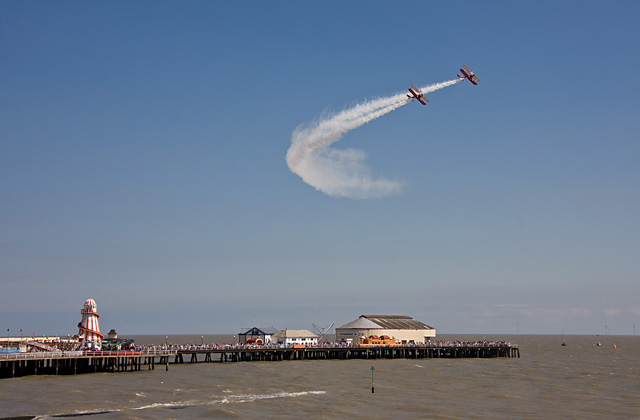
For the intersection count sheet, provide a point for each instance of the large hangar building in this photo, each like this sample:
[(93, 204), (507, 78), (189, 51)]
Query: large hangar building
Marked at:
[(404, 328)]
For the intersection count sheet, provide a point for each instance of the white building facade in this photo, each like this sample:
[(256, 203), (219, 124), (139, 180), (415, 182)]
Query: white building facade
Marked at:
[(292, 337)]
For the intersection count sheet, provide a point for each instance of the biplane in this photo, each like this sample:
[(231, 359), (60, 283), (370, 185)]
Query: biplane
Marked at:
[(469, 75), (417, 94)]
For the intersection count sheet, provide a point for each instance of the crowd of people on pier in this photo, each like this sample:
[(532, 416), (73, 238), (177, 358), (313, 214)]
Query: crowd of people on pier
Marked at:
[(466, 343), (240, 346), (70, 349)]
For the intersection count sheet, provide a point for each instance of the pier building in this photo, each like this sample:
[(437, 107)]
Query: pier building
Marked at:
[(256, 333), (405, 329), (303, 337)]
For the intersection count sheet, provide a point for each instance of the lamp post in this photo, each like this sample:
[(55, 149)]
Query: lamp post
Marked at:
[(166, 355)]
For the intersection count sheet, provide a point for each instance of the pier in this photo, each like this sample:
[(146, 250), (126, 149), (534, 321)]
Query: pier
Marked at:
[(268, 354), (78, 362)]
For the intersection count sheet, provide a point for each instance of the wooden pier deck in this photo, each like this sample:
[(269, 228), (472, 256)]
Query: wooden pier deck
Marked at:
[(345, 353), (77, 362)]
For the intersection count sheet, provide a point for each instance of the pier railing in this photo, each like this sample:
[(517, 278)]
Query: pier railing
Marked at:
[(414, 351), (83, 353)]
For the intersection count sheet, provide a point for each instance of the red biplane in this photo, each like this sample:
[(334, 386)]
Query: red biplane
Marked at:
[(417, 94), (469, 75)]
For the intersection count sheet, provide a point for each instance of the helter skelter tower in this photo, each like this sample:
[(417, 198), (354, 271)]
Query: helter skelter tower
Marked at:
[(89, 330)]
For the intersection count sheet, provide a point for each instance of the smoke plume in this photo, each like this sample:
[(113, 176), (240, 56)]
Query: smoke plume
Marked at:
[(342, 172)]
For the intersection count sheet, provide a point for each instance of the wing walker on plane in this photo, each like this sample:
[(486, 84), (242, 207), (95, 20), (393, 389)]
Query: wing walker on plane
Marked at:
[(417, 94), (469, 75)]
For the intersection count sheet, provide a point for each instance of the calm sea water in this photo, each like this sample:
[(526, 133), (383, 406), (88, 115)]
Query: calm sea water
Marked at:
[(581, 380)]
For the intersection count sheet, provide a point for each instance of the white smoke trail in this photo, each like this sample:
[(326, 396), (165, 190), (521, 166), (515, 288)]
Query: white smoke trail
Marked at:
[(342, 173)]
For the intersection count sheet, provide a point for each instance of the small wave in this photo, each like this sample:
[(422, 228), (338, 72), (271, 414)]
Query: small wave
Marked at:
[(253, 397), (85, 413), (177, 405)]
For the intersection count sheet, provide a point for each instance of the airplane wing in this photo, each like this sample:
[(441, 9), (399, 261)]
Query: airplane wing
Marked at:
[(469, 74), (417, 94)]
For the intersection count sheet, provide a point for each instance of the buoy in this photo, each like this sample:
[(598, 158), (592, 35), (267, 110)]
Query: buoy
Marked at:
[(614, 346)]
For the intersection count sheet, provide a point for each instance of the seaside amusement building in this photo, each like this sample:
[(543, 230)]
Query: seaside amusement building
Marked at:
[(256, 335), (401, 327), (89, 330), (293, 337)]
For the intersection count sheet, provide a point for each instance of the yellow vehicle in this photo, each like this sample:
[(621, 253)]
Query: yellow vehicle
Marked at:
[(378, 341)]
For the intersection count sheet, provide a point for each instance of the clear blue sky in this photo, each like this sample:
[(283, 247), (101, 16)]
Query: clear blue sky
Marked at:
[(142, 164)]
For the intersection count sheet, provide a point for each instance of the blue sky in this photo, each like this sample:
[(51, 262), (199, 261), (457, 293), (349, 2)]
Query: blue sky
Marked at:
[(142, 164)]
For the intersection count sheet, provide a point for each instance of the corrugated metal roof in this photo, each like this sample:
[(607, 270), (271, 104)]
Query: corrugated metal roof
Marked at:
[(397, 322), (393, 322), (361, 323)]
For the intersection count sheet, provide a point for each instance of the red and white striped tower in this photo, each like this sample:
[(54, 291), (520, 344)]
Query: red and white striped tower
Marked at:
[(90, 336)]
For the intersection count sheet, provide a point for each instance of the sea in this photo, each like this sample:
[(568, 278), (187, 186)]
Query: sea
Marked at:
[(591, 377)]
